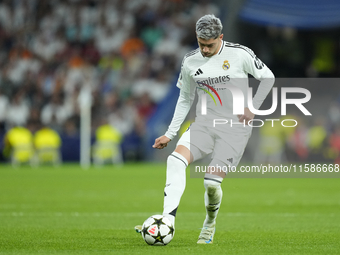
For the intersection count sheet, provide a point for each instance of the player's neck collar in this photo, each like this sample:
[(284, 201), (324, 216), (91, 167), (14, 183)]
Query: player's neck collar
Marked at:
[(221, 48)]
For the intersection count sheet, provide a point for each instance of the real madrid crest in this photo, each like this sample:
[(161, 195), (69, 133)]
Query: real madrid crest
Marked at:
[(226, 65)]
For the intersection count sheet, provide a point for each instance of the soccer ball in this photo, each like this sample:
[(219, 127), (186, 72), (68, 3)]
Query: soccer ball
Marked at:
[(157, 230)]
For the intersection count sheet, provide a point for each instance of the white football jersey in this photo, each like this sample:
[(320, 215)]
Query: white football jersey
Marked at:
[(230, 66)]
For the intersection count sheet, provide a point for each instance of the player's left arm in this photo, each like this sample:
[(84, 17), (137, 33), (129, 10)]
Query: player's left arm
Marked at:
[(254, 66)]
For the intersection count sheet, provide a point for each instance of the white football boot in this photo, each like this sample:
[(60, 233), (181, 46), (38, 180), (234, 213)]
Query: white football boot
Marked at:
[(207, 235), (138, 229)]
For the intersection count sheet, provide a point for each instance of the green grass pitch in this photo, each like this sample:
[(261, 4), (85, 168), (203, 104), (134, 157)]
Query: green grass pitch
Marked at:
[(68, 210)]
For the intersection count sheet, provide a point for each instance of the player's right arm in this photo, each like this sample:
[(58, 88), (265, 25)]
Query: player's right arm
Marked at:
[(183, 105), (161, 142)]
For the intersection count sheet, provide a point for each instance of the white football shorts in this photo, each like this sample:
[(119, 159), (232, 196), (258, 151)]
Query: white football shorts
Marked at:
[(202, 140)]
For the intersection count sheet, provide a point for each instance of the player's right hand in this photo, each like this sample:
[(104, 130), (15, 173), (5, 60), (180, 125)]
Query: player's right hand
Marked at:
[(161, 142)]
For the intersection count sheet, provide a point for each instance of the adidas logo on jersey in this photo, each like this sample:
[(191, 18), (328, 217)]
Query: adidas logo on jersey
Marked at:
[(199, 71), (230, 160)]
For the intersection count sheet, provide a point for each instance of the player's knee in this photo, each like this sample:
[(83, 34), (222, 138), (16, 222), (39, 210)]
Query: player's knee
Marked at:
[(176, 157), (183, 152), (170, 159)]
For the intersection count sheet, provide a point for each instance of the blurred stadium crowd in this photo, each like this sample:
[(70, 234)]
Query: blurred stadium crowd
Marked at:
[(128, 52)]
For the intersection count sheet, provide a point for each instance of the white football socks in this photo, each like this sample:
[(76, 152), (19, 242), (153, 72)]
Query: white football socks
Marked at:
[(212, 198), (175, 184)]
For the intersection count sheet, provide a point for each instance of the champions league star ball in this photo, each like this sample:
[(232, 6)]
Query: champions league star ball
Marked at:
[(157, 230)]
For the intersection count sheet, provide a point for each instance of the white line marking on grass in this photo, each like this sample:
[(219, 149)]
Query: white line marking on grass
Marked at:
[(147, 214)]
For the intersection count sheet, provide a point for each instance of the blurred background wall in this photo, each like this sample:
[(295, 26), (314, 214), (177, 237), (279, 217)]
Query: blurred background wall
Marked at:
[(128, 53)]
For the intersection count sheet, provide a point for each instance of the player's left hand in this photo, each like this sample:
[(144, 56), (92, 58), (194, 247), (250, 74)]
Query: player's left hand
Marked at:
[(247, 116)]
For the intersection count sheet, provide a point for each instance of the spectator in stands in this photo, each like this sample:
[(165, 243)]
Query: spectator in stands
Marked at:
[(124, 118), (18, 109), (20, 63), (57, 110), (47, 45), (74, 73), (132, 46), (62, 45)]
